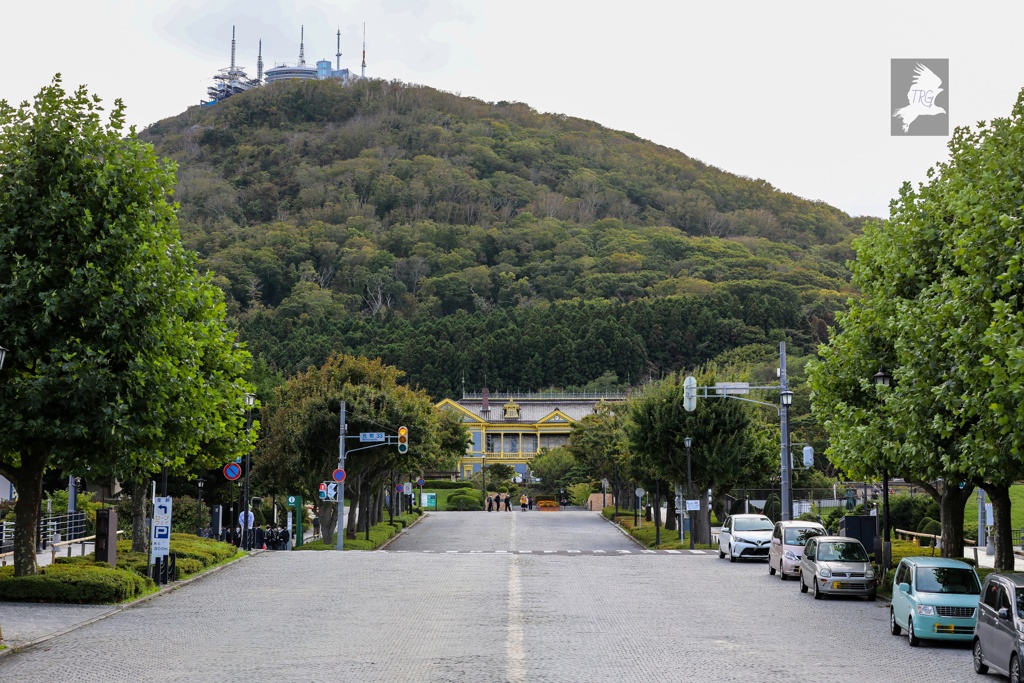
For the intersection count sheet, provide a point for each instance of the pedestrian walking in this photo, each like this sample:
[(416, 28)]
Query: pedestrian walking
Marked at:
[(508, 502), (490, 503), (522, 502), (529, 502)]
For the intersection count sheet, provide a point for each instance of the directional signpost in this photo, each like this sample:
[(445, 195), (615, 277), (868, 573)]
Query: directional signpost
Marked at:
[(371, 437), (160, 538)]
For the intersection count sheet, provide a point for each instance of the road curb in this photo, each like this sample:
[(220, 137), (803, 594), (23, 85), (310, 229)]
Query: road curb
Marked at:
[(624, 532), (11, 649), (388, 542)]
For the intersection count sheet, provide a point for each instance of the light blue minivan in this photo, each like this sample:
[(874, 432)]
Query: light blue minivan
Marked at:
[(934, 598)]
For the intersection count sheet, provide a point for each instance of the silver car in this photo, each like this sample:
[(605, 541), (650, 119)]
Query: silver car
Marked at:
[(999, 631), (788, 542), (836, 565), (745, 536)]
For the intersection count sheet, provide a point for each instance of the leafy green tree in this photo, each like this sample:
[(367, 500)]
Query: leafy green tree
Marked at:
[(120, 359), (302, 422), (599, 442), (728, 446), (552, 466)]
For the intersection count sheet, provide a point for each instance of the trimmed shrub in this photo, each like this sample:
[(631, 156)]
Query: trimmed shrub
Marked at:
[(907, 512), (75, 583), (460, 502), (932, 527), (443, 484), (924, 523)]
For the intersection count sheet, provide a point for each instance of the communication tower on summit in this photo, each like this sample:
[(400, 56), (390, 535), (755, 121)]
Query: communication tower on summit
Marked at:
[(232, 80)]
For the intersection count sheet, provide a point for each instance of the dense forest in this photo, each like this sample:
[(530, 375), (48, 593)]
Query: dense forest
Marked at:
[(462, 240)]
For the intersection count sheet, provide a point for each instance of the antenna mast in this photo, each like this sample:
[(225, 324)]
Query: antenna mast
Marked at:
[(338, 54), (259, 64), (232, 48), (364, 50), (302, 46)]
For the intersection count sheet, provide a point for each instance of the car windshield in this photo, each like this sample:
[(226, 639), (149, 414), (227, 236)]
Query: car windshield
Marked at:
[(800, 536), (842, 551), (947, 580), (753, 524)]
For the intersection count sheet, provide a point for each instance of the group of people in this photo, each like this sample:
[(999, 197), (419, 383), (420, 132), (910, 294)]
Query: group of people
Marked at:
[(496, 502), (272, 538)]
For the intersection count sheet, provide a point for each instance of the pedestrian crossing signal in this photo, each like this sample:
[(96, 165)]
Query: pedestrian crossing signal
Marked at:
[(323, 491), (403, 439)]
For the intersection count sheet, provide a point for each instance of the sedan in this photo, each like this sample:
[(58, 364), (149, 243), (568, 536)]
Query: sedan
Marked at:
[(745, 536), (836, 565), (934, 598)]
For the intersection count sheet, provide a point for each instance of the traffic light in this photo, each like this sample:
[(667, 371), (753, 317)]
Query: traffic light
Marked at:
[(403, 439), (323, 490), (690, 393), (808, 457)]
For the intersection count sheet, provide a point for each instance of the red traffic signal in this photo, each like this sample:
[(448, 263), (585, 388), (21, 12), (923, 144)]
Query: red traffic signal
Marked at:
[(323, 491), (403, 439)]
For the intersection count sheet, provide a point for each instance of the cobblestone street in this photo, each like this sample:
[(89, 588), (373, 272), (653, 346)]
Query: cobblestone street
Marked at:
[(418, 612)]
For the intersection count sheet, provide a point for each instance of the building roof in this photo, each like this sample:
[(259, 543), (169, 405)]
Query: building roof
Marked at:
[(533, 410)]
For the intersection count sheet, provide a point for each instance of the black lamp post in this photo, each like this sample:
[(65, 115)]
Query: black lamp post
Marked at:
[(250, 401), (882, 378), (199, 523), (689, 486), (786, 398), (3, 355)]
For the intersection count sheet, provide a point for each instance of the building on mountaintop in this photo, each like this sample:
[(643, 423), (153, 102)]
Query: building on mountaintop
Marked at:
[(515, 431), (234, 80)]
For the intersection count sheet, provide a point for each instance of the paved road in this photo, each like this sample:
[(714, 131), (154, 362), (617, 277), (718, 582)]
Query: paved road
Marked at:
[(418, 612)]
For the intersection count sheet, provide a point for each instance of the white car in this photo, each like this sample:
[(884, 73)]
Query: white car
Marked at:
[(745, 536)]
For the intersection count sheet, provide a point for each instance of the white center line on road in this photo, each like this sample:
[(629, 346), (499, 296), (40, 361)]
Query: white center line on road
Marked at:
[(515, 653)]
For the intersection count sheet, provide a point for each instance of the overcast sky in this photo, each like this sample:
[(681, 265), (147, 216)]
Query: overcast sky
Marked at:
[(796, 92)]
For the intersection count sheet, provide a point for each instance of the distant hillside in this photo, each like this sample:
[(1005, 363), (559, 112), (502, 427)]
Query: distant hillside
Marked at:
[(335, 216)]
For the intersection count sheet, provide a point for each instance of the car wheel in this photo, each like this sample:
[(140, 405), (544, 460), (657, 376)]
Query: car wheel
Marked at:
[(1015, 669), (911, 636), (894, 628), (771, 569), (782, 574), (721, 553), (817, 593), (803, 586), (732, 558), (979, 661)]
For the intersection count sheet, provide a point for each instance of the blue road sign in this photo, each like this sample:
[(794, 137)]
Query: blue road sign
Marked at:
[(232, 471), (339, 475), (372, 437), (420, 482), (162, 532)]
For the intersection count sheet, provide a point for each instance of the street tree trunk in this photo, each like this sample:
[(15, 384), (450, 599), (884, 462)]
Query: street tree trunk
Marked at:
[(702, 522), (138, 499), (670, 512), (28, 480), (1002, 526), (951, 500), (328, 515)]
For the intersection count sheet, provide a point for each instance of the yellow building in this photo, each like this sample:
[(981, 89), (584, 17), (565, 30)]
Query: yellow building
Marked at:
[(512, 429)]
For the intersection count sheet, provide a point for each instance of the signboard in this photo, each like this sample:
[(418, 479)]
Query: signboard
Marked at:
[(988, 514), (732, 388), (429, 500), (294, 501), (407, 488), (339, 475), (232, 471), (161, 535), (693, 505), (371, 437), (639, 492)]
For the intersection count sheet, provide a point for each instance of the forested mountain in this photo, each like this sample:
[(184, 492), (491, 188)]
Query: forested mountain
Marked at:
[(454, 237)]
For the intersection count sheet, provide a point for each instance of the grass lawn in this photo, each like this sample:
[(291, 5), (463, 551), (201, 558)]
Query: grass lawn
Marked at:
[(646, 534), (442, 496), (1016, 507)]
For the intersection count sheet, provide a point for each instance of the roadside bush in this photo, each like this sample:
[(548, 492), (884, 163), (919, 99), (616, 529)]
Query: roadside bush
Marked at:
[(443, 484), (461, 503), (551, 504), (971, 531), (75, 583), (932, 527), (925, 521), (906, 511)]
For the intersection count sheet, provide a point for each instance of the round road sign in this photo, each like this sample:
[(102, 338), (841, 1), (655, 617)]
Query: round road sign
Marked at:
[(232, 471), (339, 475), (639, 492), (399, 488), (420, 482)]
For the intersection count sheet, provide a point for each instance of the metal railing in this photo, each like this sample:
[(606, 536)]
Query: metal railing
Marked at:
[(51, 530)]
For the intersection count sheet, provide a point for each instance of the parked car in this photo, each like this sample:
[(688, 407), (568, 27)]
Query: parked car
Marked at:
[(836, 565), (934, 598), (787, 546), (998, 641), (745, 536)]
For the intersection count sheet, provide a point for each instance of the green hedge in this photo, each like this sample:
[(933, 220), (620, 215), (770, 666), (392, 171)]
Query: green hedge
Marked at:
[(75, 583), (443, 484), (458, 503)]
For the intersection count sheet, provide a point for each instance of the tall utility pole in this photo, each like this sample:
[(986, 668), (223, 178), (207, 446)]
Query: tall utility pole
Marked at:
[(340, 545), (250, 401), (786, 399)]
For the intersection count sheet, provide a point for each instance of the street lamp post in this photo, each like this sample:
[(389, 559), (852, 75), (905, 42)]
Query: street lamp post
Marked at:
[(199, 522), (689, 486), (250, 401), (3, 355), (882, 378), (483, 477)]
